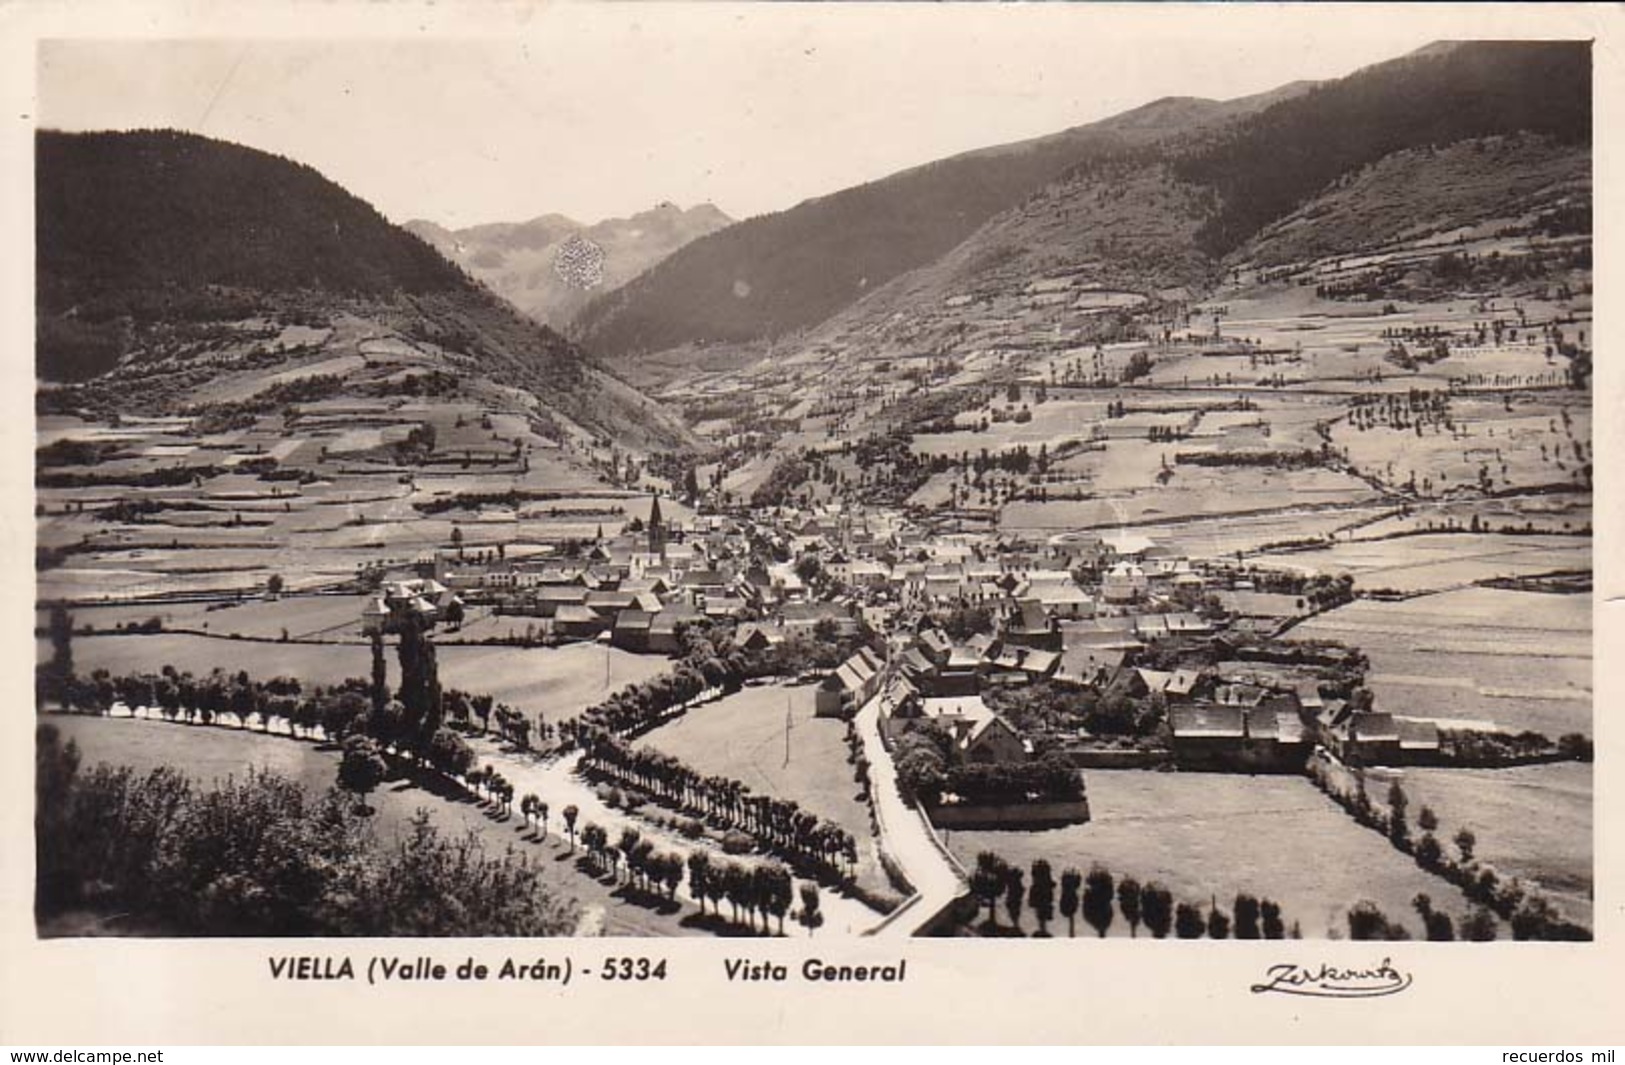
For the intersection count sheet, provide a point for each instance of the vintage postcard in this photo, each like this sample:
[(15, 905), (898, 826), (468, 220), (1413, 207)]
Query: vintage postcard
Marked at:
[(754, 523)]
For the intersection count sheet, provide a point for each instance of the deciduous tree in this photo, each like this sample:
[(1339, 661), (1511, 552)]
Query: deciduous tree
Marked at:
[(1098, 893), (987, 882), (1128, 900), (1041, 894), (361, 769), (1071, 881), (570, 815), (1014, 894), (1269, 912), (1247, 912), (1157, 906)]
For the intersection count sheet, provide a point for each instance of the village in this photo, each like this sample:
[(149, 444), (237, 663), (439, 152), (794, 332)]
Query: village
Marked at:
[(1112, 651)]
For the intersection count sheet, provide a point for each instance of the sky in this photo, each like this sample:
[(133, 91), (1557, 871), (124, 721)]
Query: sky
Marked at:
[(603, 111)]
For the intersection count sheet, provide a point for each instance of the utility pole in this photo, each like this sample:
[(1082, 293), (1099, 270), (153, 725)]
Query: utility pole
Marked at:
[(786, 728)]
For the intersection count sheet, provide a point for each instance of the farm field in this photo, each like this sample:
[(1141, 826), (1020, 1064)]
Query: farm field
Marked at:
[(310, 663), (557, 682), (1533, 822), (1519, 659), (743, 736), (1221, 536), (330, 618), (1545, 513), (1437, 562), (1210, 835), (1194, 492), (162, 507), (214, 753)]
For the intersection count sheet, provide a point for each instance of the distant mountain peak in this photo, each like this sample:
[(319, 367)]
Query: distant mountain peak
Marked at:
[(537, 265)]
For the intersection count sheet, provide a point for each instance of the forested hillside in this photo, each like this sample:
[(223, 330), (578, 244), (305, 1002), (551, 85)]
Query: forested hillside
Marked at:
[(1447, 136), (169, 251), (1265, 165)]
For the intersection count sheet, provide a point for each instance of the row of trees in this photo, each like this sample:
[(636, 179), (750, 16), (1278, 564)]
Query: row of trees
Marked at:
[(646, 869), (640, 706), (1098, 898), (765, 890), (343, 713), (1366, 921), (779, 825), (411, 722), (1470, 747), (1531, 914)]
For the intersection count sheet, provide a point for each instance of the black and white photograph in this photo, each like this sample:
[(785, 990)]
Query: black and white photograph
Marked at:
[(750, 523), (482, 490)]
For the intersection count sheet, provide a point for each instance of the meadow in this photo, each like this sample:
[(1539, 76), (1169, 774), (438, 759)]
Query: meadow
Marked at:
[(556, 682), (1532, 822), (1439, 562), (1209, 836)]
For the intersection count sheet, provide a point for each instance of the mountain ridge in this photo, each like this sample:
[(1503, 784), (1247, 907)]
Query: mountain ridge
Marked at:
[(775, 273), (1258, 157)]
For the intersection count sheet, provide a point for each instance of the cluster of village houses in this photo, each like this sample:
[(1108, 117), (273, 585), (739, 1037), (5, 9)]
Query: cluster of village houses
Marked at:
[(637, 589)]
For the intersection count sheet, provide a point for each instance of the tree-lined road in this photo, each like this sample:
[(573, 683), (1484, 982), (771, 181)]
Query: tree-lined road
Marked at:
[(557, 781)]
